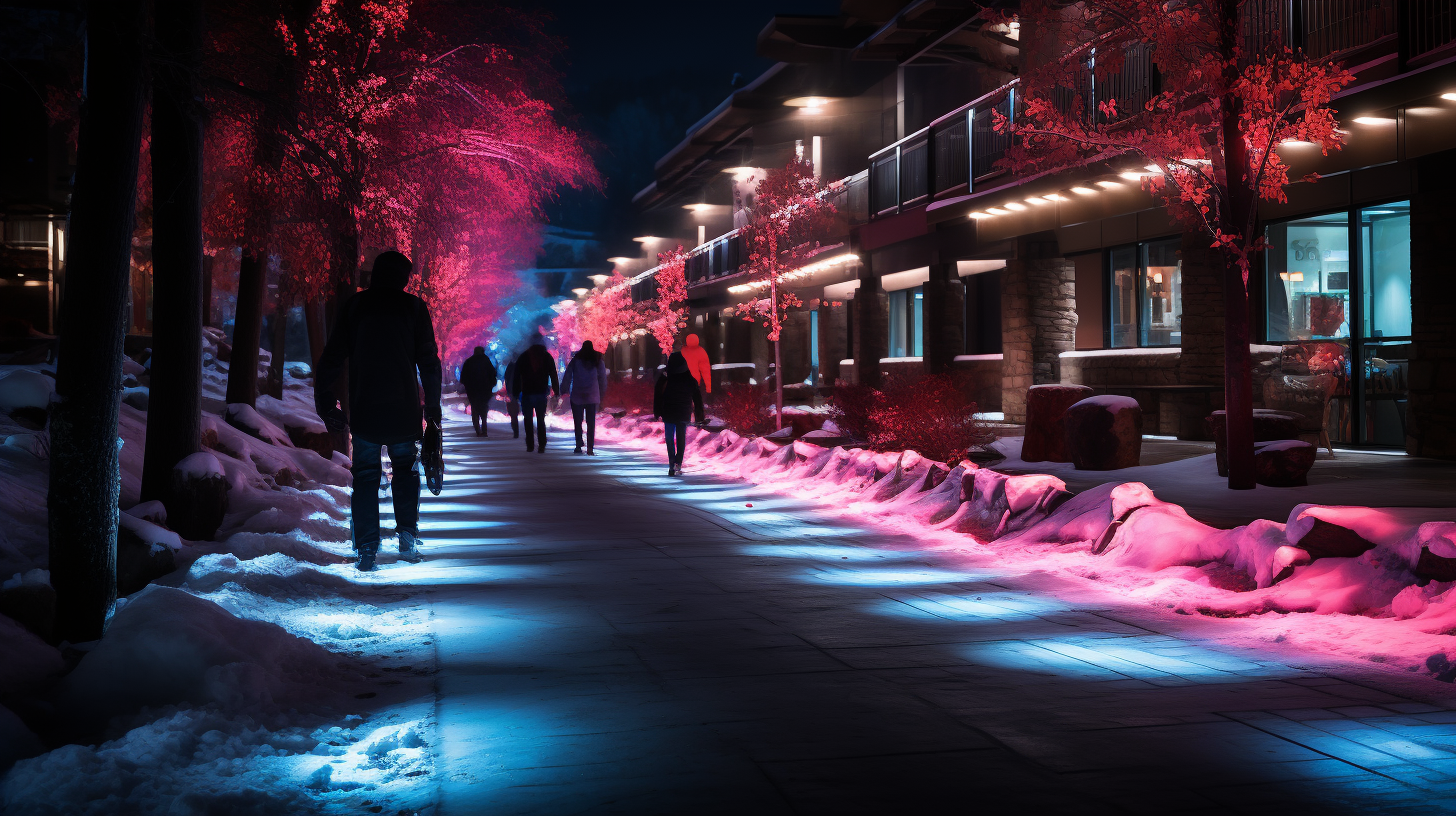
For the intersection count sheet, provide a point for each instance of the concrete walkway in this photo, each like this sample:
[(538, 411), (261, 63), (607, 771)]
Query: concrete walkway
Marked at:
[(614, 641)]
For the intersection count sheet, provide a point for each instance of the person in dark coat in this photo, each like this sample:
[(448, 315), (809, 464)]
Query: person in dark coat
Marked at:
[(512, 398), (384, 336), (585, 382), (676, 399), (535, 382), (478, 376)]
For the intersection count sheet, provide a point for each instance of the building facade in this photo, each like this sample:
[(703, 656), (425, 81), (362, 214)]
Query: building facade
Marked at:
[(951, 263)]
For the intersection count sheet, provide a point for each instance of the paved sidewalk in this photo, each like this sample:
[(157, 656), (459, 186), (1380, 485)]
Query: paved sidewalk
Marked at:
[(614, 641)]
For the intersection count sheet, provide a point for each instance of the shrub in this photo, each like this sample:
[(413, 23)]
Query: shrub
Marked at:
[(745, 409), (631, 393), (927, 414)]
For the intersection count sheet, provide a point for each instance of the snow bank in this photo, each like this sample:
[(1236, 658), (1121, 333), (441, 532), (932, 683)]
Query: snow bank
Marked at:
[(25, 388), (1325, 560)]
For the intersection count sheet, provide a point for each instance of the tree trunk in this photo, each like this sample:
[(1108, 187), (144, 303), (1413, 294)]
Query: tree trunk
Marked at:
[(280, 340), (207, 263), (242, 384), (174, 418), (85, 477), (1237, 367), (773, 299), (313, 320)]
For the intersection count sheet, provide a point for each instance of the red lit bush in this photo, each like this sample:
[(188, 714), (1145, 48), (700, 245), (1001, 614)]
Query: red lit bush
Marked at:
[(630, 393), (928, 414), (744, 408)]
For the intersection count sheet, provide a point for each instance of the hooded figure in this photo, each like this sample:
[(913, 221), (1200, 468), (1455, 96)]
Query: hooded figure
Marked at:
[(534, 380), (586, 382), (478, 375), (698, 365), (676, 399), (386, 338)]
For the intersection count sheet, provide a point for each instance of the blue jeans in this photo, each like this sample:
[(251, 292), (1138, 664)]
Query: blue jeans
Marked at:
[(676, 434), (405, 488), (535, 404)]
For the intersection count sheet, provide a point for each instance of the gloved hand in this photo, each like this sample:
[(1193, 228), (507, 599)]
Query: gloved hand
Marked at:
[(334, 419)]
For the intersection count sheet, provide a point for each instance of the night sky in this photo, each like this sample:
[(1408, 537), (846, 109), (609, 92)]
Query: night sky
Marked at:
[(638, 74)]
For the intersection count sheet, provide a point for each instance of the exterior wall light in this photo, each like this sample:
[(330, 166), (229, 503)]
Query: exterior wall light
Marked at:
[(1012, 205), (1374, 120), (1084, 191)]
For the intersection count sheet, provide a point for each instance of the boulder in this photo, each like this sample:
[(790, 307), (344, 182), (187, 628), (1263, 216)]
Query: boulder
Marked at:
[(32, 605), (1269, 426), (199, 497), (139, 561), (1328, 540), (1104, 433), (1046, 408), (318, 441), (1283, 463)]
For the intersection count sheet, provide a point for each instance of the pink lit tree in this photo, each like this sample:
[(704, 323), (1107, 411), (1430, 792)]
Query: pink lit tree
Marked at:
[(1206, 142), (790, 215), (669, 310), (607, 315)]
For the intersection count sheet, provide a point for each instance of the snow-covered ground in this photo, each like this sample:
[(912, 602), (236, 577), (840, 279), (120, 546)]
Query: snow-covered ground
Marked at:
[(1123, 542), (265, 675)]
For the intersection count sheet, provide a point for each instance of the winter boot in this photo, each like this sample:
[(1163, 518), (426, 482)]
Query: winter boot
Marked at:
[(577, 452), (366, 561), (409, 547)]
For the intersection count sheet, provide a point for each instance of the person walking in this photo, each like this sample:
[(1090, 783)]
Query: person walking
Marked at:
[(676, 398), (535, 382), (698, 365), (478, 375), (383, 336), (511, 398), (585, 382)]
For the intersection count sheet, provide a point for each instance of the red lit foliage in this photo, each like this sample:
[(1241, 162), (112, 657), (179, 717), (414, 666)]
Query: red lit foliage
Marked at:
[(669, 310), (791, 216), (927, 414), (744, 409)]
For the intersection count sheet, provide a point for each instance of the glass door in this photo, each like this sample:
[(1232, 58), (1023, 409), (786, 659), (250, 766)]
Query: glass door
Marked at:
[(1385, 323)]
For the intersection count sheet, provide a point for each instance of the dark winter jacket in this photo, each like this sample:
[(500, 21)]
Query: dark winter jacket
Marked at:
[(535, 372), (677, 396), (586, 378), (478, 376), (384, 335), (510, 381)]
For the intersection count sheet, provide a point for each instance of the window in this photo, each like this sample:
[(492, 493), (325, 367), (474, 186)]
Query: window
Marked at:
[(1338, 287), (907, 322), (1146, 295), (813, 347), (982, 326)]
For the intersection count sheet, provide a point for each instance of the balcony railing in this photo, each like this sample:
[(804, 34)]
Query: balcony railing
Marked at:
[(957, 153)]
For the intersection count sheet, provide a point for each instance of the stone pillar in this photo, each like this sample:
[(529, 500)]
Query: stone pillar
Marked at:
[(833, 323), (871, 314), (1201, 361), (1431, 408), (942, 309), (1038, 320)]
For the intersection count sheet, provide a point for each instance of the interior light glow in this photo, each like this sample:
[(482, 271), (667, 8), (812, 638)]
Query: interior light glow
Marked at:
[(1374, 120), (1012, 205), (1084, 191)]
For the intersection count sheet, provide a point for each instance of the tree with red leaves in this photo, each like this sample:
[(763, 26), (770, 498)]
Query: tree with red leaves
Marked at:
[(790, 215), (607, 315), (1207, 139), (669, 309)]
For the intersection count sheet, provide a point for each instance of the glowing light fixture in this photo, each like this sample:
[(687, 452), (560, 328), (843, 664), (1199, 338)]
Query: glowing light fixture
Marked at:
[(1084, 191), (600, 279), (797, 274), (739, 171), (997, 211), (978, 215), (1157, 277), (1450, 97), (1054, 197), (1374, 120), (1038, 200), (619, 260), (1012, 205), (644, 239), (579, 291), (698, 207), (1111, 185), (1296, 277), (808, 102)]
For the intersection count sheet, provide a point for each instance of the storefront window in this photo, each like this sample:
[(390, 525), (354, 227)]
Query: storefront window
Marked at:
[(1146, 295), (1124, 297), (907, 322), (1308, 279)]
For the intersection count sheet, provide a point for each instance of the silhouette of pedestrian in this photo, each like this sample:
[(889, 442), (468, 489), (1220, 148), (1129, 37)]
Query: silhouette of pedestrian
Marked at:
[(383, 335), (535, 382), (512, 398), (586, 383), (676, 397), (478, 375)]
